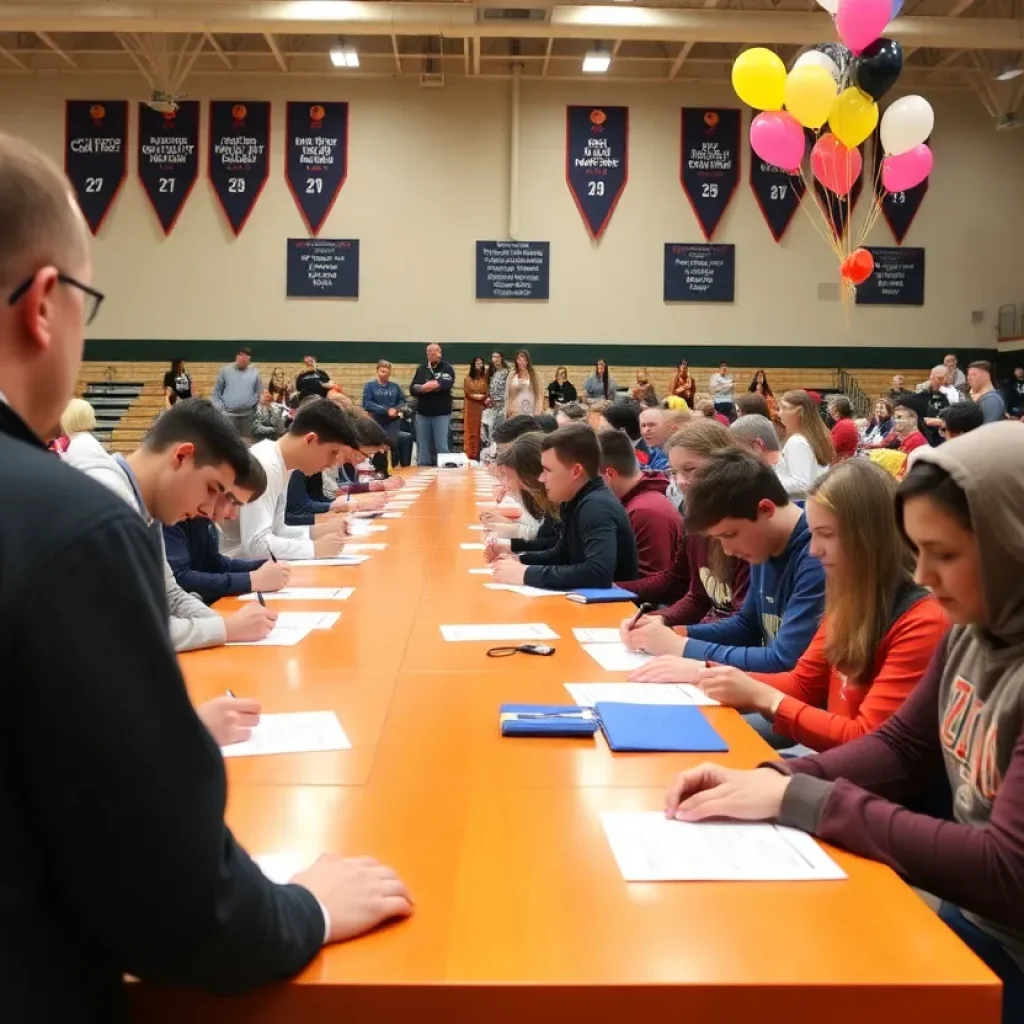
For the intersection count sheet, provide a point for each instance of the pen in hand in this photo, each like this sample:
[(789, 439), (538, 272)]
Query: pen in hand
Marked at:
[(259, 597), (231, 694), (273, 557), (643, 610)]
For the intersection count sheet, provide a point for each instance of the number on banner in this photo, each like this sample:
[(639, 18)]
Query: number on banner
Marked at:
[(898, 197), (93, 184), (167, 184), (779, 191), (314, 186), (595, 188), (236, 184), (709, 190)]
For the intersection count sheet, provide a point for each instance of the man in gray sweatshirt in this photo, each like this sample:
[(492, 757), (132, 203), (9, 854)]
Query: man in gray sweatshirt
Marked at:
[(237, 391)]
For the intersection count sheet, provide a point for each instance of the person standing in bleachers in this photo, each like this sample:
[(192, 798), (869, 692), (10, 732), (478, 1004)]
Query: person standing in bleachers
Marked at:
[(384, 400), (237, 391), (177, 383), (723, 391), (312, 380), (474, 391), (432, 388)]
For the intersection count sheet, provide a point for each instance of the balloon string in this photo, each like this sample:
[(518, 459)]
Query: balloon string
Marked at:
[(876, 207), (829, 235)]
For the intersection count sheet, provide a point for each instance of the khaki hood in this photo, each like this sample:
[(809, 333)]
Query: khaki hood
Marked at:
[(988, 466)]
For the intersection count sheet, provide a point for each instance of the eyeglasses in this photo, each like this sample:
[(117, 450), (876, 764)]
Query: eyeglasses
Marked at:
[(94, 297)]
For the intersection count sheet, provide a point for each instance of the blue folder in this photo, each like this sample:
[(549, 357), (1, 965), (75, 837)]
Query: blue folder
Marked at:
[(601, 595), (676, 727)]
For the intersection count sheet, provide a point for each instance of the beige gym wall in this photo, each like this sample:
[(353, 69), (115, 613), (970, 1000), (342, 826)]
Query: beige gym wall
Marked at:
[(429, 175)]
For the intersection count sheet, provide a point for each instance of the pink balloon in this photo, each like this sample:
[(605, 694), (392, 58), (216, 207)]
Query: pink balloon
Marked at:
[(861, 22), (835, 166), (908, 169), (777, 138)]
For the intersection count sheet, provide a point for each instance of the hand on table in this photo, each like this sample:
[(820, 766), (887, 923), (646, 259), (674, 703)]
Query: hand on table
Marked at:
[(652, 636), (328, 545), (393, 483), (368, 502), (494, 548), (712, 791), (668, 668), (253, 622), (509, 570), (735, 688), (627, 625), (270, 576), (358, 893), (229, 719)]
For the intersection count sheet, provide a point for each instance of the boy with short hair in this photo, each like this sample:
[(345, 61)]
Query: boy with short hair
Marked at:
[(316, 440), (657, 526), (596, 545), (906, 424), (739, 501)]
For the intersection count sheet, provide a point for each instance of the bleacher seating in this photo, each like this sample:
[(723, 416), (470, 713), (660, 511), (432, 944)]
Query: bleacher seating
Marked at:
[(149, 401)]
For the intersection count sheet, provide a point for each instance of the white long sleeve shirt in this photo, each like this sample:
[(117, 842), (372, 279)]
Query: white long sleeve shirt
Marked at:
[(721, 386), (260, 529), (797, 469)]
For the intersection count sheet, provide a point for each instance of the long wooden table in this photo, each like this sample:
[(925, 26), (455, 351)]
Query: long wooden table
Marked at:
[(521, 912)]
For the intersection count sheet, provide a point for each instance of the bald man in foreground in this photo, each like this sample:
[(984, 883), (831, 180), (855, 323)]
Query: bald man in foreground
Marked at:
[(115, 857)]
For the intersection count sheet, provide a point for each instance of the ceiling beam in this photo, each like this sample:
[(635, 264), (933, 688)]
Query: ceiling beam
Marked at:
[(476, 55), (398, 56), (680, 59), (955, 11), (547, 55), (129, 48), (57, 50), (219, 50), (276, 51), (16, 61)]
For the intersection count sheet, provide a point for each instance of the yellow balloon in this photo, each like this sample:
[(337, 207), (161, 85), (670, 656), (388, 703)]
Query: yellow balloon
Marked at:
[(810, 94), (854, 117), (759, 78)]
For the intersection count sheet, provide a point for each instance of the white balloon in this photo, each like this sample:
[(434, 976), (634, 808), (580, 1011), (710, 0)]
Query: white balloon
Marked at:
[(819, 59), (832, 6), (906, 124)]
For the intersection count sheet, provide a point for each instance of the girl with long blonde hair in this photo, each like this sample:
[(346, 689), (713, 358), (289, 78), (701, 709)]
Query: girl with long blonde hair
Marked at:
[(808, 451)]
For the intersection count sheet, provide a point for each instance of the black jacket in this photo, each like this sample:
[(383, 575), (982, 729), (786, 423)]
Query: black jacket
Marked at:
[(560, 394), (595, 548), (439, 401), (115, 856), (312, 382), (547, 537)]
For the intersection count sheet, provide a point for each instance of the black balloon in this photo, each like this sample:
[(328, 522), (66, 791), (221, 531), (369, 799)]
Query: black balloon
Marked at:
[(875, 71), (840, 55)]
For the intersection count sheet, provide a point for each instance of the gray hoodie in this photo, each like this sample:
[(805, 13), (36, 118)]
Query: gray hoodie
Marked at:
[(237, 390), (192, 624)]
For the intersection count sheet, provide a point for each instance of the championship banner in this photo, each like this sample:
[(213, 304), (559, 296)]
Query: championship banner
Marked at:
[(709, 165), (898, 208), (596, 162), (239, 156), (316, 157), (778, 193), (168, 158), (96, 154)]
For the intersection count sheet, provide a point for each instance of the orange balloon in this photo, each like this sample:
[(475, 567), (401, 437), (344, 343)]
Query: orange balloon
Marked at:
[(858, 266)]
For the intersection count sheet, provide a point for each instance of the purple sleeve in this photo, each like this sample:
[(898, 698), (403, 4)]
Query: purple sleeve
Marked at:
[(979, 868)]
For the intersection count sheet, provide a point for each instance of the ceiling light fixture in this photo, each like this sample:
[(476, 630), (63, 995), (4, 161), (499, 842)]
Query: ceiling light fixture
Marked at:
[(344, 56), (1008, 72), (597, 61)]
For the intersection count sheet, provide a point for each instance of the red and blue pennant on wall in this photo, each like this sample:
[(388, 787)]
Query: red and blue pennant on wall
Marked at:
[(239, 156), (96, 154), (316, 157), (898, 208), (168, 158), (709, 165), (596, 162)]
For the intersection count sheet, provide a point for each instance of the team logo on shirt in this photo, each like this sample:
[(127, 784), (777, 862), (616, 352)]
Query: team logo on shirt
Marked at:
[(963, 739)]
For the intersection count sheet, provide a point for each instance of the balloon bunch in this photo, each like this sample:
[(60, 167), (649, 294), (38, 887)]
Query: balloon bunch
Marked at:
[(839, 85)]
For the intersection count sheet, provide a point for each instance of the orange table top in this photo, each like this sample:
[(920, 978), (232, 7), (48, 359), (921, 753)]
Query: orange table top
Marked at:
[(520, 907)]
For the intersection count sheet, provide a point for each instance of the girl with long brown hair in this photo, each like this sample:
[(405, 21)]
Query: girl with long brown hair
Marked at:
[(524, 397), (683, 385), (879, 630), (474, 389), (808, 451), (702, 584)]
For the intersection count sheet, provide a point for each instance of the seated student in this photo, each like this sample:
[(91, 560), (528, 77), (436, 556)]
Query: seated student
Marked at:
[(319, 434), (189, 458), (702, 584), (881, 432), (572, 412), (964, 716), (808, 451), (758, 435), (517, 470), (845, 436), (657, 526), (753, 403), (738, 500), (878, 635), (193, 551), (656, 426), (905, 420), (707, 409), (595, 413), (625, 416), (268, 419), (596, 545), (76, 425), (961, 418)]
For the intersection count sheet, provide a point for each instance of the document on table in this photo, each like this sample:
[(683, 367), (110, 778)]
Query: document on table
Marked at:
[(279, 636), (365, 547), (517, 631), (391, 515), (652, 848), (481, 572), (476, 526), (472, 547), (298, 733), (597, 636), (282, 867), (358, 529), (587, 695), (337, 560), (306, 620), (304, 594), (615, 657), (524, 591)]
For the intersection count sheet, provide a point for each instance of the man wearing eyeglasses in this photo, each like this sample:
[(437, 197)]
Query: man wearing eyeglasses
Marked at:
[(107, 869)]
